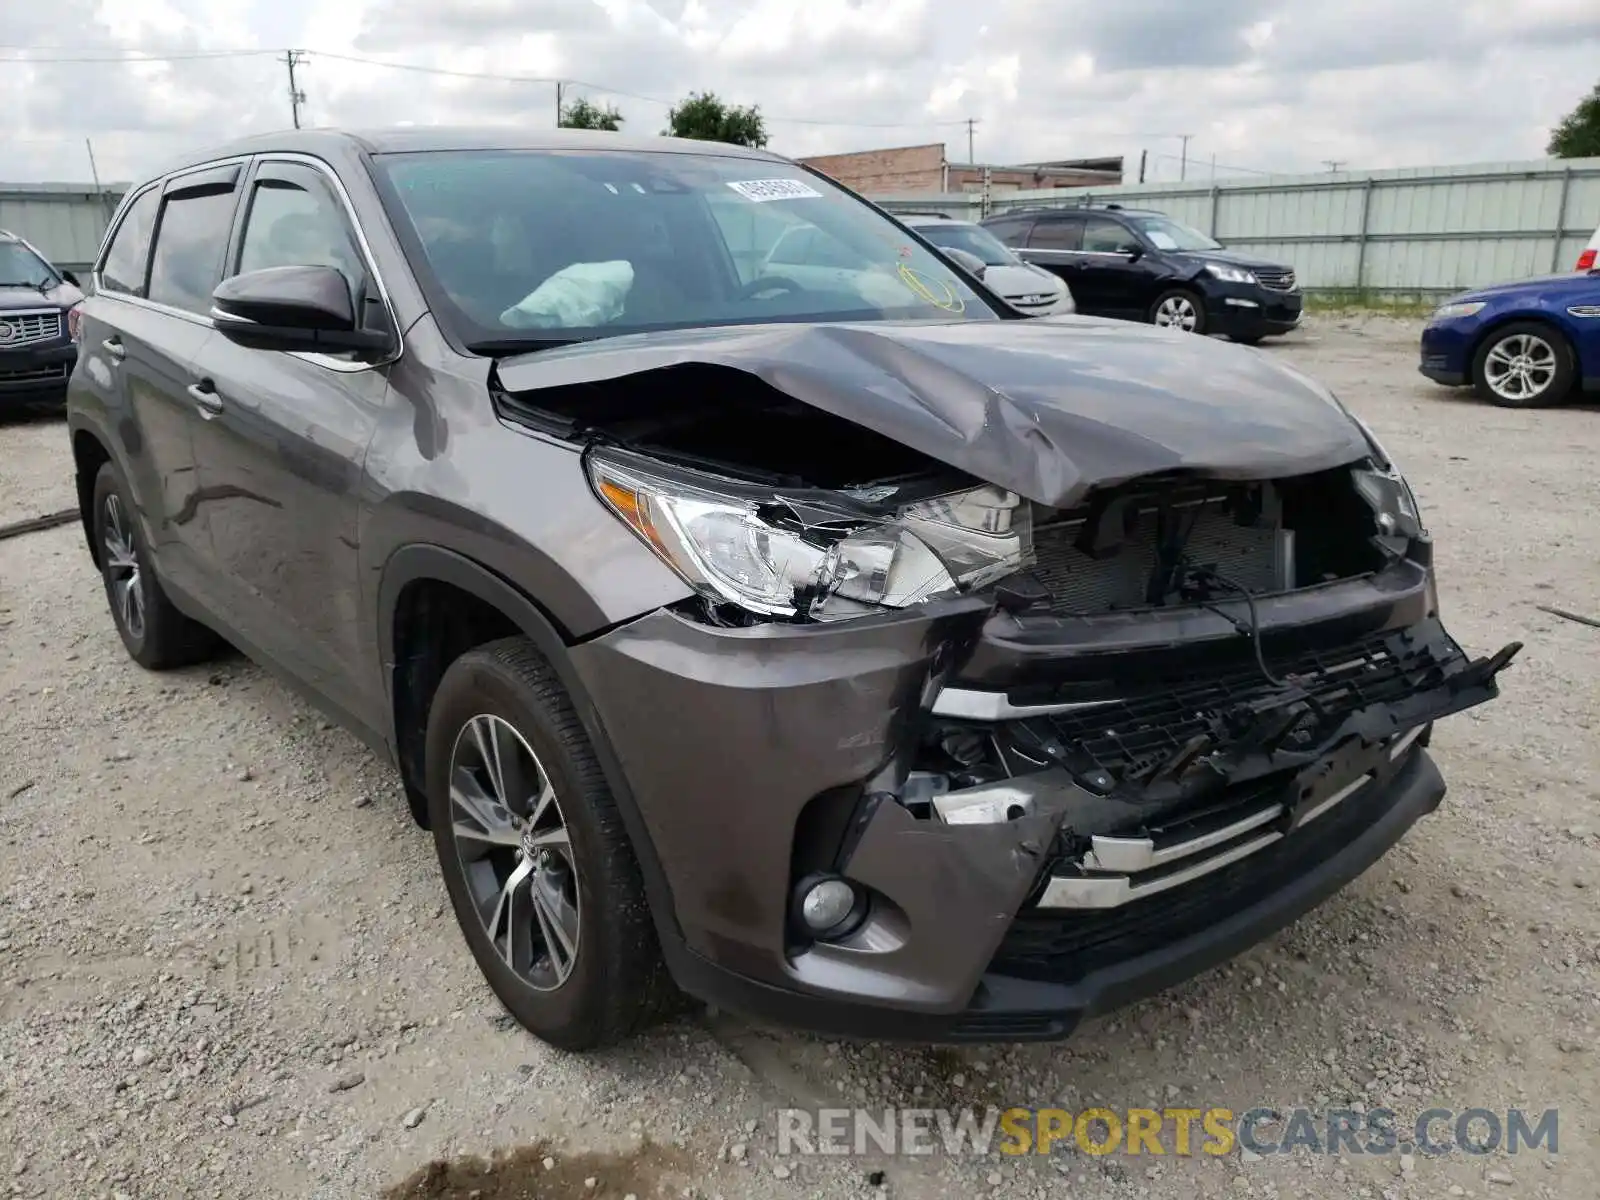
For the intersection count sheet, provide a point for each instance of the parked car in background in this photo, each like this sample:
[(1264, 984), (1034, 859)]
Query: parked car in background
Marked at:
[(1589, 256), (1145, 266), (907, 669), (1521, 345), (36, 347), (1025, 287)]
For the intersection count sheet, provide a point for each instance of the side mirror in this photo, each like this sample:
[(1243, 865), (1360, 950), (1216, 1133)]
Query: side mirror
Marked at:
[(71, 278), (1134, 251), (968, 262), (307, 309)]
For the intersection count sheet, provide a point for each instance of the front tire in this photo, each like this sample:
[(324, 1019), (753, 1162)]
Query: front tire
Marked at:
[(157, 636), (539, 869), (1179, 308), (1526, 364)]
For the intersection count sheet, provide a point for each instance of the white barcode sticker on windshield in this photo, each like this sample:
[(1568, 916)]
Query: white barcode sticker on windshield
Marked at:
[(762, 190)]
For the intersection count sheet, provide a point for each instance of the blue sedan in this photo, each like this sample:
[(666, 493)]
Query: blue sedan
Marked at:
[(1520, 344)]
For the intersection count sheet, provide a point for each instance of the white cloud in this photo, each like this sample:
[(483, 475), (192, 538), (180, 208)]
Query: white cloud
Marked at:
[(1269, 84)]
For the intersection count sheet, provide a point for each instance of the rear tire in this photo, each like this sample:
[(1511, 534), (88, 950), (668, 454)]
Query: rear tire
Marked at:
[(157, 636), (1179, 308), (1526, 364), (538, 866)]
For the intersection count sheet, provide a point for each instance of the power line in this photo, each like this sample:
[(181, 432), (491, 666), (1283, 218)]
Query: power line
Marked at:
[(131, 56), (419, 68)]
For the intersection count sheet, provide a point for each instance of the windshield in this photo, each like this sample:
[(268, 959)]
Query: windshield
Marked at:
[(542, 246), (1166, 234), (974, 239), (21, 267)]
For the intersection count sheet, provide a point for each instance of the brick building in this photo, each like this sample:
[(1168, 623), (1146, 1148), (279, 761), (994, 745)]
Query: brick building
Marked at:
[(912, 169)]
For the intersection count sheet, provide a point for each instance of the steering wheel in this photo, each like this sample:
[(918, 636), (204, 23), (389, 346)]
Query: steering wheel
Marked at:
[(767, 283)]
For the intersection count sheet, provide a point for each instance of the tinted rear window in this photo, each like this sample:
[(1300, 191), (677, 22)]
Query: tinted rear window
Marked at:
[(190, 243)]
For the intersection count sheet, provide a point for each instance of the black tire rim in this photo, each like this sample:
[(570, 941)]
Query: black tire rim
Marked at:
[(124, 578), (515, 852)]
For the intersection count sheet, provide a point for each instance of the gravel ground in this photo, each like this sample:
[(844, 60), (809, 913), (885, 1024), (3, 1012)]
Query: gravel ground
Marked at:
[(227, 967)]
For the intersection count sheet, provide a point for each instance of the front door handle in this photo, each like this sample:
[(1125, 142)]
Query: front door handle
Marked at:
[(204, 394), (114, 347)]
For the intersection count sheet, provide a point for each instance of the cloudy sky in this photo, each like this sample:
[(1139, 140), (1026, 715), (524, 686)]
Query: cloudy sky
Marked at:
[(1263, 85)]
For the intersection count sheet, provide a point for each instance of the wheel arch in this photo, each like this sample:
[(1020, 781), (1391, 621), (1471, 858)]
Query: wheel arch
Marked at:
[(89, 454), (423, 566), (1519, 317)]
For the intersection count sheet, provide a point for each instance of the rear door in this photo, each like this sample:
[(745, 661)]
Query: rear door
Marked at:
[(283, 445), (142, 331), (1054, 243)]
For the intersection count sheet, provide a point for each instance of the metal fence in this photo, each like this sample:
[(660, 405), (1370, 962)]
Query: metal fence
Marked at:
[(1414, 232), (64, 220)]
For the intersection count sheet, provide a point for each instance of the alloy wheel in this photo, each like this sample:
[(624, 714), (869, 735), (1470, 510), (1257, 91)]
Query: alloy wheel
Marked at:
[(122, 568), (1520, 367), (1177, 312), (515, 852)]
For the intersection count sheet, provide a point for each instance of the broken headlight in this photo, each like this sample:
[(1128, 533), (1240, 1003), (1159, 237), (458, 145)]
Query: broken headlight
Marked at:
[(810, 555)]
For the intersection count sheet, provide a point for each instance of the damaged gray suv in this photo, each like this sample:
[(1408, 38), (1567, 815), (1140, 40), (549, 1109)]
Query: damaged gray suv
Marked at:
[(821, 638)]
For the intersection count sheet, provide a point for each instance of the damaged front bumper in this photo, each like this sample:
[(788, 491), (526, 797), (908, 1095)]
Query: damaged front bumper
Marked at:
[(1160, 803)]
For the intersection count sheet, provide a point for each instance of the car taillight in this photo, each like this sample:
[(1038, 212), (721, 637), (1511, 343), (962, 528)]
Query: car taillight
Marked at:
[(75, 323), (1586, 261)]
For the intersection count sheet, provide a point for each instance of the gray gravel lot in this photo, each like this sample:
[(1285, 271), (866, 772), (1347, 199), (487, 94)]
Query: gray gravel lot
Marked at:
[(227, 967)]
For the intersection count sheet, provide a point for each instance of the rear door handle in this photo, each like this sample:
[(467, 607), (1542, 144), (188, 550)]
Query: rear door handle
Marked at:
[(204, 394), (114, 347)]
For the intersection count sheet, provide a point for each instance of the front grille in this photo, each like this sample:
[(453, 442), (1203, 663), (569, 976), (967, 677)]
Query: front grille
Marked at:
[(1277, 279), (48, 374), (1132, 735), (28, 328), (1246, 555), (1066, 944), (1041, 300)]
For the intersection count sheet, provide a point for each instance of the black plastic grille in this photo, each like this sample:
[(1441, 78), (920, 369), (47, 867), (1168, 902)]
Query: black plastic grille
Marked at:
[(1132, 734), (1080, 584), (1063, 946)]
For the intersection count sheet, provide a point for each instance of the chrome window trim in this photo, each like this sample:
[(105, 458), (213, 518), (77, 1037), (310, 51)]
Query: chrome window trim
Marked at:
[(339, 190)]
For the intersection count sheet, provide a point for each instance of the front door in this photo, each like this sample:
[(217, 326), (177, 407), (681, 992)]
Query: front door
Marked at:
[(1114, 269), (283, 450)]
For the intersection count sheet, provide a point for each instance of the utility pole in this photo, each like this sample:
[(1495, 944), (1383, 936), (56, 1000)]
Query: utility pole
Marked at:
[(1333, 164), (94, 173), (1143, 154), (1183, 163), (970, 123), (558, 104), (296, 96)]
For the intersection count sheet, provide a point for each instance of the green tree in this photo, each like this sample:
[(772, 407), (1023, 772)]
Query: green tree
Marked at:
[(704, 117), (581, 114), (1578, 135)]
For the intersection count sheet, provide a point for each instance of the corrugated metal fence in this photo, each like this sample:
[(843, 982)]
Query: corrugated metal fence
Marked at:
[(64, 220), (1411, 232)]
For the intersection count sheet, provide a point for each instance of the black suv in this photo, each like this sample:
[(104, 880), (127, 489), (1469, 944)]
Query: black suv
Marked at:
[(824, 637), (1145, 266), (36, 348)]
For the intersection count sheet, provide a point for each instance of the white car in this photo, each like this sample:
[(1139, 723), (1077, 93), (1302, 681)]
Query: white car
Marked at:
[(1025, 287), (1589, 260)]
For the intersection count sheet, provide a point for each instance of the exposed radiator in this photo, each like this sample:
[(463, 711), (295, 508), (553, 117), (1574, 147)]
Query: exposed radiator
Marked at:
[(1248, 555)]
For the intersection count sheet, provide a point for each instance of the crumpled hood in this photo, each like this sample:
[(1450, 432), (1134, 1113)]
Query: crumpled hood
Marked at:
[(1049, 408)]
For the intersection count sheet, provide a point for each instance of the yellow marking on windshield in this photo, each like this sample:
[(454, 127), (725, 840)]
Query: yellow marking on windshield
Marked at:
[(940, 293)]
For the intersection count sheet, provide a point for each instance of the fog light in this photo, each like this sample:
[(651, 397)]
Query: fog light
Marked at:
[(826, 906)]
